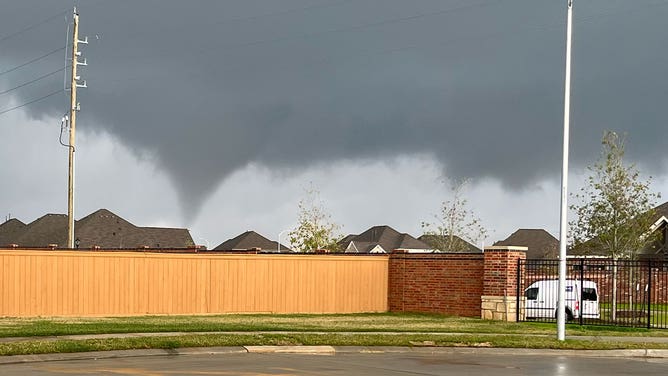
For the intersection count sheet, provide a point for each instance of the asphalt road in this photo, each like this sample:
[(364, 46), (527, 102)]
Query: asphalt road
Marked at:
[(387, 364)]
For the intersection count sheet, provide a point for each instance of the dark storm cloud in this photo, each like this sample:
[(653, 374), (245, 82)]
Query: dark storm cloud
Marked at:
[(206, 87)]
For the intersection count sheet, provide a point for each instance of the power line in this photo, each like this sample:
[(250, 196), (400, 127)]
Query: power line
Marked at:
[(33, 60), (32, 81), (286, 11), (31, 102), (514, 33), (418, 16), (270, 14), (521, 32), (365, 26), (8, 36)]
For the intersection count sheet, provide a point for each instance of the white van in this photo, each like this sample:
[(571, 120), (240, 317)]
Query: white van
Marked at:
[(542, 297)]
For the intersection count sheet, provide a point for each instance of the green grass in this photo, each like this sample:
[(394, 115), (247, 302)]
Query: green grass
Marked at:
[(334, 339), (337, 330), (372, 322), (636, 306), (658, 314)]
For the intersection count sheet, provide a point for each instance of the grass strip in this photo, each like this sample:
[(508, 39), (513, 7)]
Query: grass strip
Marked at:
[(334, 339), (375, 322)]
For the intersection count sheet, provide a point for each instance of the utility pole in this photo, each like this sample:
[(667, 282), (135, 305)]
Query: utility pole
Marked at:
[(74, 107), (561, 306)]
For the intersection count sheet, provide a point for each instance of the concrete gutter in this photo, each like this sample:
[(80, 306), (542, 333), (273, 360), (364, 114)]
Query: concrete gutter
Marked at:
[(330, 350), (292, 349)]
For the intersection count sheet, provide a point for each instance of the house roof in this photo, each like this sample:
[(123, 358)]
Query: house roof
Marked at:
[(100, 228), (462, 246), (45, 230), (10, 230), (165, 237), (361, 247), (106, 229), (662, 210), (540, 243), (347, 239), (385, 236), (590, 248), (250, 240)]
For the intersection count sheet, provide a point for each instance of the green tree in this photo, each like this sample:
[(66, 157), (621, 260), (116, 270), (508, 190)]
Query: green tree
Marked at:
[(315, 229), (454, 223), (615, 208)]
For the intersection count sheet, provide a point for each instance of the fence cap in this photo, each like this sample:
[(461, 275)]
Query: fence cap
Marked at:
[(506, 248)]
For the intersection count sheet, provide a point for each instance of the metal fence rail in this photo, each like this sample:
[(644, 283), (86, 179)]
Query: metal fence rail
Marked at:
[(598, 292)]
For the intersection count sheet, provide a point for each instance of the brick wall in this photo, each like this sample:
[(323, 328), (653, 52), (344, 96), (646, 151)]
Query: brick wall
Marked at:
[(501, 270), (499, 299), (462, 284), (447, 283)]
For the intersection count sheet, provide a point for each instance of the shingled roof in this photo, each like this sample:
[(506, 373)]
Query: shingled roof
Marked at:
[(662, 210), (101, 228), (10, 230), (461, 245), (45, 230), (250, 240), (658, 249), (540, 243), (384, 236)]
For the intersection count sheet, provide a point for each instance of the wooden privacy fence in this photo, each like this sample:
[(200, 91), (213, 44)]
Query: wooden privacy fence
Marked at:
[(67, 283)]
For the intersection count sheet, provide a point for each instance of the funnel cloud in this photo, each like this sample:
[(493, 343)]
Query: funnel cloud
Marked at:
[(205, 88)]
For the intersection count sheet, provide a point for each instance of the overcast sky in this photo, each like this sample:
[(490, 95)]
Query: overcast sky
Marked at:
[(215, 115)]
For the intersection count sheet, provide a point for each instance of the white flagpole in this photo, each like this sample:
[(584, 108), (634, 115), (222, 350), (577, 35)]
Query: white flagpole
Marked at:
[(561, 312)]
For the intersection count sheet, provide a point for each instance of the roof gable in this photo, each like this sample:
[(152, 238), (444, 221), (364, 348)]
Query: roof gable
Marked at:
[(101, 228), (387, 238), (540, 243), (375, 249), (351, 248), (660, 225), (107, 230), (10, 230), (250, 240), (45, 230), (461, 245), (662, 210)]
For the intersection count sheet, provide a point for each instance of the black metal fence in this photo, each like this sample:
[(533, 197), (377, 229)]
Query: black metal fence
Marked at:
[(597, 292)]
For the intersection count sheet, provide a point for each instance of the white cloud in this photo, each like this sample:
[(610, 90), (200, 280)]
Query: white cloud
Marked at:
[(110, 176), (360, 194), (35, 173), (400, 192), (34, 167)]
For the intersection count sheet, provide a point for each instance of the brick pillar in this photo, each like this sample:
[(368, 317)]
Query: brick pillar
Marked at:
[(499, 296)]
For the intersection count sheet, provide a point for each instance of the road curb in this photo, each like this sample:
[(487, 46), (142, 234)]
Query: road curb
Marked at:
[(13, 359), (330, 350), (291, 349), (633, 353)]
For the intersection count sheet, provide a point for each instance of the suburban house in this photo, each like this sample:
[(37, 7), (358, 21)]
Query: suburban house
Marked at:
[(10, 230), (660, 250), (540, 243), (656, 251), (102, 229), (460, 245), (251, 241), (383, 239)]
